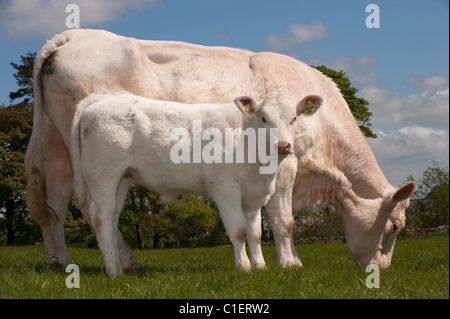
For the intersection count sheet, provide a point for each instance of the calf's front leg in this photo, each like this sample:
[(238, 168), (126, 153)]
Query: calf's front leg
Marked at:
[(253, 219), (230, 211)]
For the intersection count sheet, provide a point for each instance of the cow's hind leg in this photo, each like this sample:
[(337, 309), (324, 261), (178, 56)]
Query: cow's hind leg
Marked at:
[(59, 179)]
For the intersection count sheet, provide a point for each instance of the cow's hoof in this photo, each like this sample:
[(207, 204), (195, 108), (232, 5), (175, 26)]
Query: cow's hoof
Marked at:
[(295, 262), (132, 268), (56, 265), (244, 266)]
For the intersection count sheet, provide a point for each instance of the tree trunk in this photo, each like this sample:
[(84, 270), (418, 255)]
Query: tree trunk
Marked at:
[(140, 239), (10, 224), (177, 238)]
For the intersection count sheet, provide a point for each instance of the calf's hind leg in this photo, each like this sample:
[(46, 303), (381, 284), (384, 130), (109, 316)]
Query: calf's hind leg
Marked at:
[(127, 260), (104, 218), (129, 265)]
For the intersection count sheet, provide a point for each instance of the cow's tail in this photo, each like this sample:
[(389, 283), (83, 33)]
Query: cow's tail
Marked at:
[(34, 157)]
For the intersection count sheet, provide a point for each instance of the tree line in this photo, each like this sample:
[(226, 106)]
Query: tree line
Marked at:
[(191, 221)]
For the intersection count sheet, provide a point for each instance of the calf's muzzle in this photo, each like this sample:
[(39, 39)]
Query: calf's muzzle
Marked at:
[(284, 147)]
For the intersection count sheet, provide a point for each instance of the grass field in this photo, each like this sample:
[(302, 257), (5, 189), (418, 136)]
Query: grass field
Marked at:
[(420, 269)]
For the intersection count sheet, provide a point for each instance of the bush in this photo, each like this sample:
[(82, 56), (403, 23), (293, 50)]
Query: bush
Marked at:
[(323, 221)]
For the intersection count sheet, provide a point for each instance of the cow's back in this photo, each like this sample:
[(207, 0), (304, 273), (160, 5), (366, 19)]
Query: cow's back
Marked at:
[(87, 61)]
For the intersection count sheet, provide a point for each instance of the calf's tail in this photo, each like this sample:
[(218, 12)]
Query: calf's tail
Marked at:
[(79, 185), (80, 124)]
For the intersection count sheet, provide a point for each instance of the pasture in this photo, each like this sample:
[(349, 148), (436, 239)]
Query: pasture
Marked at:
[(420, 269)]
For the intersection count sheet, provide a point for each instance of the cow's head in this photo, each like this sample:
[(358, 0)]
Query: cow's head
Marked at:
[(278, 110), (372, 225)]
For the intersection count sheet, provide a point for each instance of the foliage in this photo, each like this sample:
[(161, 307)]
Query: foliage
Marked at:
[(188, 217), (323, 221), (140, 202), (77, 230), (148, 222), (358, 106), (24, 78), (15, 130), (430, 203)]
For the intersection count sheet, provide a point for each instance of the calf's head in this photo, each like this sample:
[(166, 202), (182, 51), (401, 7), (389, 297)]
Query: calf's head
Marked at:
[(279, 110)]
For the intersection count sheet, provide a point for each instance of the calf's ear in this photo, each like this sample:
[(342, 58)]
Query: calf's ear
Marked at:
[(246, 104), (309, 105)]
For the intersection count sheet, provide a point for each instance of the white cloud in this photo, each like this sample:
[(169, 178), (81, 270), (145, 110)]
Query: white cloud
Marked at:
[(297, 35), (413, 129), (409, 151), (431, 83), (44, 18), (430, 108), (360, 70)]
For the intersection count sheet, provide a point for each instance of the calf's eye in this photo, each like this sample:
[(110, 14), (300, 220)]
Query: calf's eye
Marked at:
[(264, 120)]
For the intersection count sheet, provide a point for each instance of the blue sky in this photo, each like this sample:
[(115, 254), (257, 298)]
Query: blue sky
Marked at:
[(400, 68)]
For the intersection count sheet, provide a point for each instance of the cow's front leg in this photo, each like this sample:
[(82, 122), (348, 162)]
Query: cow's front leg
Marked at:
[(253, 218), (279, 214), (281, 224)]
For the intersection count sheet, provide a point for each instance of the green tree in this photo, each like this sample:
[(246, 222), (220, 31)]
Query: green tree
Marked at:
[(24, 78), (77, 230), (136, 222), (357, 105), (186, 219), (15, 130), (430, 202), (191, 217)]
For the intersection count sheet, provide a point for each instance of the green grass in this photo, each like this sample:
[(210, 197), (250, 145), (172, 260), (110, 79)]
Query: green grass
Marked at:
[(420, 269)]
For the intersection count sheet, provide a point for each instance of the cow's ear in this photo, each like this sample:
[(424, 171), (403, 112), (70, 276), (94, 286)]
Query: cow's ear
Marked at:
[(402, 192), (309, 105), (246, 104)]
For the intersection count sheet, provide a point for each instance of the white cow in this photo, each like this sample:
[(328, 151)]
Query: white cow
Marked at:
[(119, 137), (334, 160)]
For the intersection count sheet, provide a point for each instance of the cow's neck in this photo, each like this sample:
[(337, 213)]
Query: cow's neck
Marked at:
[(338, 158)]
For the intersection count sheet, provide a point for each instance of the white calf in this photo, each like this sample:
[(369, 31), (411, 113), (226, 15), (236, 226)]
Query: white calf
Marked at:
[(118, 136)]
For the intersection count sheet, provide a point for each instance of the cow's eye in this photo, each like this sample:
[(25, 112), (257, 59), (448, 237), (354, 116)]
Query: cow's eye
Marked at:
[(264, 119), (293, 121), (395, 227)]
